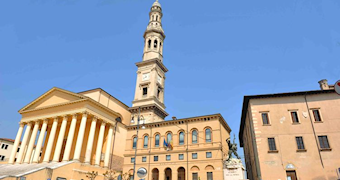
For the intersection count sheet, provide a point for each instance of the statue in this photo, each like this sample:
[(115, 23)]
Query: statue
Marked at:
[(232, 149)]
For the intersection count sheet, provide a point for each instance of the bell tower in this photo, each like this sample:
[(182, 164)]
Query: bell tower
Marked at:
[(149, 92)]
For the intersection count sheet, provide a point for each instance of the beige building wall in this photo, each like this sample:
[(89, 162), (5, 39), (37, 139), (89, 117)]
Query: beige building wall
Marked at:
[(218, 147), (312, 163)]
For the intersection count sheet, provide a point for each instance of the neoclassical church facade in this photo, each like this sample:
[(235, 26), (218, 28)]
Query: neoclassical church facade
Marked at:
[(64, 135)]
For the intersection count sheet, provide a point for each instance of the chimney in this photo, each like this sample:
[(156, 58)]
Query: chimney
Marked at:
[(174, 118), (324, 84)]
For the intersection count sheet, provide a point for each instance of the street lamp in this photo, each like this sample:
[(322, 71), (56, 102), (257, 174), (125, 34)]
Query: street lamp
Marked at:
[(143, 127)]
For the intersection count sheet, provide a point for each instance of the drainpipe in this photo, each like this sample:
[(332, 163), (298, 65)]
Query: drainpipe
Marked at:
[(311, 121)]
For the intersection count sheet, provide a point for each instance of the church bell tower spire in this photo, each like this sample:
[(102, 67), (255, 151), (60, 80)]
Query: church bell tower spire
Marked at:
[(154, 35), (149, 92)]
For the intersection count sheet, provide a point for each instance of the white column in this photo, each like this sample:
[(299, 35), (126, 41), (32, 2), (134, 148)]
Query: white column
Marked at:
[(80, 138), (90, 141), (24, 142), (70, 136), (31, 143), (108, 146), (40, 141), (100, 143), (50, 141), (60, 140), (16, 143)]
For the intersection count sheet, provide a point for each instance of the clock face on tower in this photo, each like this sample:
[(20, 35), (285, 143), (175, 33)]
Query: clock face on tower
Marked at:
[(146, 76)]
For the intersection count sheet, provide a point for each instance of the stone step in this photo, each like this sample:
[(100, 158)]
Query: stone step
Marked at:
[(18, 170)]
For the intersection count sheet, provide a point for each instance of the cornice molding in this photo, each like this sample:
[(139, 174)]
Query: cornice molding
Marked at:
[(153, 107), (184, 120), (152, 61), (170, 152), (152, 98)]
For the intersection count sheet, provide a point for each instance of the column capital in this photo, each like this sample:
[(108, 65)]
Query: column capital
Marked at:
[(56, 118), (29, 123), (45, 121), (94, 118), (103, 123), (111, 125), (75, 115), (85, 113), (21, 124), (37, 121), (65, 116)]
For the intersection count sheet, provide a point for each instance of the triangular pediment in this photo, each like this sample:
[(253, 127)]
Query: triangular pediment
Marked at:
[(53, 97)]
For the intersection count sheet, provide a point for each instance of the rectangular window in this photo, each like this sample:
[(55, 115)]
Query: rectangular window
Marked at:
[(18, 150), (209, 176), (208, 154), (194, 176), (3, 158), (316, 114), (155, 158), (132, 160), (22, 178), (168, 157), (299, 142), (60, 178), (6, 146), (145, 91), (265, 118), (194, 155), (144, 159), (181, 156), (271, 143), (323, 141), (295, 118), (3, 145)]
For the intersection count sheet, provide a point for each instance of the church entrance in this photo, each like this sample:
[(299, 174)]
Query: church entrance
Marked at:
[(168, 174), (181, 173), (155, 174)]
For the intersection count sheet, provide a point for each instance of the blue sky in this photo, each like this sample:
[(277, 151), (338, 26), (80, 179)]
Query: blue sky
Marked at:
[(216, 51)]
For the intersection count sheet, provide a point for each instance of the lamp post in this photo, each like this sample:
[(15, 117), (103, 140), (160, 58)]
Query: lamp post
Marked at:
[(143, 127)]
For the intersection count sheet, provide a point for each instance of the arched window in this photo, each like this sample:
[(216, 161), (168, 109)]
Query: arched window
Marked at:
[(168, 137), (155, 44), (157, 18), (181, 138), (146, 141), (149, 43), (153, 17), (208, 135), (194, 136), (134, 144), (157, 140)]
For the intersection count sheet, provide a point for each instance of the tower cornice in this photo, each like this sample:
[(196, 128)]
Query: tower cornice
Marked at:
[(152, 61), (154, 107)]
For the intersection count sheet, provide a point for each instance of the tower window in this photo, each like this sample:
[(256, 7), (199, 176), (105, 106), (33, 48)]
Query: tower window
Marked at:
[(156, 18), (158, 93), (145, 91), (155, 44), (149, 43)]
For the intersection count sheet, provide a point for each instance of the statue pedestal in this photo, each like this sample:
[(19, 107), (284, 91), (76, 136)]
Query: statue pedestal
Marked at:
[(233, 170)]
